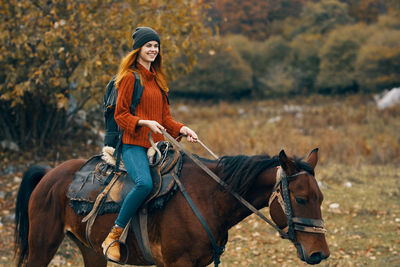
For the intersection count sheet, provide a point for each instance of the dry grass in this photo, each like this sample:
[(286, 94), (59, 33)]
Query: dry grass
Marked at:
[(358, 170), (347, 130)]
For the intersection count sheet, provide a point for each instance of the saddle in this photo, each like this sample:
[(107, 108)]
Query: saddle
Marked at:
[(97, 189), (94, 176)]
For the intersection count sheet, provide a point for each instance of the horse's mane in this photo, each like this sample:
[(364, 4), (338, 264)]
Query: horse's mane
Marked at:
[(240, 172)]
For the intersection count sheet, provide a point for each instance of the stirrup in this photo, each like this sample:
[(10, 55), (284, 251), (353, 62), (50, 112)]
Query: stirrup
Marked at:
[(118, 262)]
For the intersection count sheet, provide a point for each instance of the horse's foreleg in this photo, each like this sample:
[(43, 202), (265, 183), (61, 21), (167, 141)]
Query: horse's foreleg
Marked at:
[(90, 257)]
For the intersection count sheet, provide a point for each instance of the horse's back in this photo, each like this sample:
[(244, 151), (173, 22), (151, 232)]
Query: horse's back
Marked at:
[(61, 173), (53, 185)]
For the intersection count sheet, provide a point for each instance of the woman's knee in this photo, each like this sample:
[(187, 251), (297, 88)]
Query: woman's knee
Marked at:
[(145, 186)]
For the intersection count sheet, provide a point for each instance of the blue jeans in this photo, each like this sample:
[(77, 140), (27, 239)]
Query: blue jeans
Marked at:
[(137, 165)]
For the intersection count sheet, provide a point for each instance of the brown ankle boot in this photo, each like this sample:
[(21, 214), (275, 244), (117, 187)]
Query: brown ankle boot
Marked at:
[(113, 250)]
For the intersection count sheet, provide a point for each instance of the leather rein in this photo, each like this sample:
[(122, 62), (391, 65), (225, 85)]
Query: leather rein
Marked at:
[(281, 190)]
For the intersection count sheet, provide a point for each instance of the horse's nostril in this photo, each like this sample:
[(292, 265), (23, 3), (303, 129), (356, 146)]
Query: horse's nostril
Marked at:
[(316, 257)]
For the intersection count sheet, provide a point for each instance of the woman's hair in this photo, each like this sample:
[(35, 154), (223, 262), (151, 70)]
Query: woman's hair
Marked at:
[(129, 64)]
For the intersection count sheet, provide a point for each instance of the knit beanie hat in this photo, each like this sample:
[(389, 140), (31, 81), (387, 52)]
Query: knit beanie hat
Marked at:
[(142, 35)]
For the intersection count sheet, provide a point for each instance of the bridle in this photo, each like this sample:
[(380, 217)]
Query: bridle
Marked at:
[(281, 193)]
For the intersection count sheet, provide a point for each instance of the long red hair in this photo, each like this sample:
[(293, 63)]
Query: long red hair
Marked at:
[(129, 64)]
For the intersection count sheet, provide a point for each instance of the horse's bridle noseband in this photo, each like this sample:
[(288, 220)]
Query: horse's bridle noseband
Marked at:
[(281, 192)]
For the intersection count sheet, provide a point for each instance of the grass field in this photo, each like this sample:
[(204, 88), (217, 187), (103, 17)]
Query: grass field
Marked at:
[(358, 172)]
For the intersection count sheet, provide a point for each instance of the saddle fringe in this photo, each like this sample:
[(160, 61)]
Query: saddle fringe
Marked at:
[(107, 156), (108, 152)]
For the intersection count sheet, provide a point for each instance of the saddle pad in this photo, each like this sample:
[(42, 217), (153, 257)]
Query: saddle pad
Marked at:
[(91, 180)]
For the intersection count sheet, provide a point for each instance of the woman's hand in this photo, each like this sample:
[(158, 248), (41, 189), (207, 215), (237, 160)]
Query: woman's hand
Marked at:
[(191, 135), (153, 125)]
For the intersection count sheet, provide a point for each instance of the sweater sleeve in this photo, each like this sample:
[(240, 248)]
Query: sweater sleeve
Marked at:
[(123, 116), (172, 126)]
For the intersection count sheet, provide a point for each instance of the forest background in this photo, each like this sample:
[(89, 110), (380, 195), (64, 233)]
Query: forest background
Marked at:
[(249, 76)]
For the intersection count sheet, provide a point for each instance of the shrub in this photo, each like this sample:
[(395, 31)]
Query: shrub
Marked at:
[(220, 72), (378, 62), (247, 49), (273, 74), (338, 57), (389, 22), (304, 61), (267, 61)]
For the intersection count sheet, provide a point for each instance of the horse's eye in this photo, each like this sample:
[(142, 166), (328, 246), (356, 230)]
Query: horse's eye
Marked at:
[(301, 201)]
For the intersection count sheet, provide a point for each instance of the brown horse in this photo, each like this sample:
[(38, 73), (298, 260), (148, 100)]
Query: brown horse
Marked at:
[(177, 238)]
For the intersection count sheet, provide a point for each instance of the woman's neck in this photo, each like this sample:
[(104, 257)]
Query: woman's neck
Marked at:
[(145, 64)]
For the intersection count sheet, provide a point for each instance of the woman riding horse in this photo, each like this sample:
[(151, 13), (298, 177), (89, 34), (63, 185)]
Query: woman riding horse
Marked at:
[(151, 114), (177, 238)]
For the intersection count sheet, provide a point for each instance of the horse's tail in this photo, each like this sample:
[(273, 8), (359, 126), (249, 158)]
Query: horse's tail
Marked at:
[(29, 181)]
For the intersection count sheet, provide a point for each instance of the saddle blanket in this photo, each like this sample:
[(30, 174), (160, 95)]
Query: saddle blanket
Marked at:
[(91, 180)]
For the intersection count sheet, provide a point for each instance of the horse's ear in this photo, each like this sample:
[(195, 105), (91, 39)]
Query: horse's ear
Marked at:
[(313, 158), (287, 164)]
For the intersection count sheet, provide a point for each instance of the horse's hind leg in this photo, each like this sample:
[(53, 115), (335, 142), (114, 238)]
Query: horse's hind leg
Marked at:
[(45, 236), (90, 257)]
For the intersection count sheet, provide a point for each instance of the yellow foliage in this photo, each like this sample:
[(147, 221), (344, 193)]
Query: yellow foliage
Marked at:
[(76, 47), (54, 41)]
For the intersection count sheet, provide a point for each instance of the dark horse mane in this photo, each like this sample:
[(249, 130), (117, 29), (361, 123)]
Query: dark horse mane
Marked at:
[(240, 172)]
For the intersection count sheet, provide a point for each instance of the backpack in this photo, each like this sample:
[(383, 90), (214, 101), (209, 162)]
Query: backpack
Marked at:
[(113, 134)]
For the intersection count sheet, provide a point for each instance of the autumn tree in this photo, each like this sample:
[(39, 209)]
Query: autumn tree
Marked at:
[(251, 18), (320, 17), (57, 56), (367, 10)]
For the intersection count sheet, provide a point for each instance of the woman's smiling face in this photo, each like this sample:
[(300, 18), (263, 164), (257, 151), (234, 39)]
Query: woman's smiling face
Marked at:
[(149, 51)]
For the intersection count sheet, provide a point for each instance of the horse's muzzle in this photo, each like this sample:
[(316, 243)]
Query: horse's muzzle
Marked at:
[(314, 258)]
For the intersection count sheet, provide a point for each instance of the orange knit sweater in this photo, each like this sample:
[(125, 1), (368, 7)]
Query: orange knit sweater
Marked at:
[(153, 105)]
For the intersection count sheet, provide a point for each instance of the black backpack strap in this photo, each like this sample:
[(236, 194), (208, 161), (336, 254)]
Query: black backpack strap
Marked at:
[(166, 96), (110, 85), (118, 152), (137, 93)]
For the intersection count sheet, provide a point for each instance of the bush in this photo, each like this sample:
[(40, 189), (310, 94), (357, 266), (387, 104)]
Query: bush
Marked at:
[(338, 58), (249, 50), (378, 63), (389, 22), (273, 74), (220, 73), (267, 61), (304, 61)]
